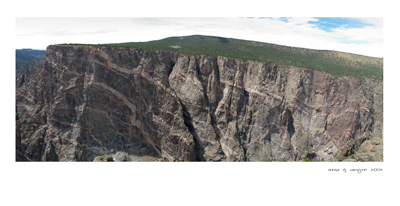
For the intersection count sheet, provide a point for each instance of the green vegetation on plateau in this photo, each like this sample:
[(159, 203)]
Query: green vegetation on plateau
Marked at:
[(333, 62)]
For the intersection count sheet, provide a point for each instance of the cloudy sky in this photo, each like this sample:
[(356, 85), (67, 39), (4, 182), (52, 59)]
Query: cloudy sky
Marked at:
[(355, 35)]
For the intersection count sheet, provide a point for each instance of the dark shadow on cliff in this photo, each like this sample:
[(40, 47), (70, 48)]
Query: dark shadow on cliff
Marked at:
[(189, 124)]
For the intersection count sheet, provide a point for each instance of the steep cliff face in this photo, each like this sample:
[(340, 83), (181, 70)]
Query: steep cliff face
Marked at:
[(86, 103)]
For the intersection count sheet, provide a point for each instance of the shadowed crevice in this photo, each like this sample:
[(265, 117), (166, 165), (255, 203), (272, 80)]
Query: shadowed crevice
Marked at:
[(188, 121), (290, 126)]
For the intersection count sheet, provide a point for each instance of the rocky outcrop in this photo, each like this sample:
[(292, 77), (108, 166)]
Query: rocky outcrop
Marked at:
[(133, 105)]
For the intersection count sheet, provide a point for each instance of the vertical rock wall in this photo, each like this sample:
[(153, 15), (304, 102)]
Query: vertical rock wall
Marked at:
[(137, 105)]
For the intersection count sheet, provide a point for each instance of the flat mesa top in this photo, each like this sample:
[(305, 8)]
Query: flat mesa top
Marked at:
[(332, 62)]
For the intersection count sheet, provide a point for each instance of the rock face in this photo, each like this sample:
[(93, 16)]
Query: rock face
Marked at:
[(86, 102)]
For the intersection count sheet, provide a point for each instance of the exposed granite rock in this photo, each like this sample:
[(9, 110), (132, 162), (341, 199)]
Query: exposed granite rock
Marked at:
[(104, 158), (370, 150), (351, 147), (134, 105), (349, 160), (326, 153), (378, 157), (122, 157)]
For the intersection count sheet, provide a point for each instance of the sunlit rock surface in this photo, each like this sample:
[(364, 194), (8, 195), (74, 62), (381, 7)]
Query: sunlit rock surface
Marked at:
[(86, 102)]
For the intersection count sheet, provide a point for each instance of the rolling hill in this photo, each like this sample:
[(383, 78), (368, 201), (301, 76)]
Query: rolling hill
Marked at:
[(24, 55)]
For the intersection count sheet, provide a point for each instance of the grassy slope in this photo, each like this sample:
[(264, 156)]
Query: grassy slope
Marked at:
[(333, 62)]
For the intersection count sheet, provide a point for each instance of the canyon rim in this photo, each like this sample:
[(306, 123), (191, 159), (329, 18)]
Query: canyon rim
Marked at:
[(100, 103)]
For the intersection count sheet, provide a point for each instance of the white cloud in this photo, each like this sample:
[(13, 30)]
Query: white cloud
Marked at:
[(40, 32), (377, 22), (301, 20)]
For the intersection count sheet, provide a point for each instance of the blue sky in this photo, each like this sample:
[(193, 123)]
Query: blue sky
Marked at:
[(355, 35), (328, 23)]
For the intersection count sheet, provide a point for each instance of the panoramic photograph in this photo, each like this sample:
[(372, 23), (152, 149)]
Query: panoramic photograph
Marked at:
[(235, 89)]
